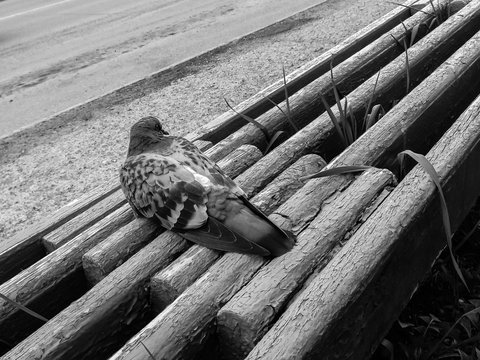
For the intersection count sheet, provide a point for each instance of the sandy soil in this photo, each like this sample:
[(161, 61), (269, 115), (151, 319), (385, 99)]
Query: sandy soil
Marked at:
[(51, 166)]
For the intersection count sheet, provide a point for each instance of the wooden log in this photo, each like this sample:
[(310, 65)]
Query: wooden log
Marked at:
[(229, 122), (373, 276), (39, 279), (169, 283), (23, 249), (319, 135), (53, 240), (203, 144), (288, 182), (249, 314), (116, 249), (179, 330), (100, 260), (239, 160), (306, 104)]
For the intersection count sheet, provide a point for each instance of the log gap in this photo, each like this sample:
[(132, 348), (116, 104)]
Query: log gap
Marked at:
[(19, 325)]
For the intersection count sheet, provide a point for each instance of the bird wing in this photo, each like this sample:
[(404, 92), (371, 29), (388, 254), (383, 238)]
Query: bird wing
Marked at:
[(188, 154), (217, 236), (158, 186)]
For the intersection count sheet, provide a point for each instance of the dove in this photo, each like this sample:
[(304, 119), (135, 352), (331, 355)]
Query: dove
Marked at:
[(169, 179)]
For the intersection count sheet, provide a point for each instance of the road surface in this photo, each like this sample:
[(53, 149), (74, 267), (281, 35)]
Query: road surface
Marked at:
[(55, 54)]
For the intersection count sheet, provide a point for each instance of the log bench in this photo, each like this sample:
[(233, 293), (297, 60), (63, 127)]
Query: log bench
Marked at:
[(117, 287)]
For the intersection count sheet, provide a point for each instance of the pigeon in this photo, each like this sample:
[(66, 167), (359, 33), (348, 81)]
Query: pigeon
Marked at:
[(169, 179)]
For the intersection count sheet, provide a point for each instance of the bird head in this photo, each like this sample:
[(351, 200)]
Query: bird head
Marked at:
[(145, 131), (147, 126)]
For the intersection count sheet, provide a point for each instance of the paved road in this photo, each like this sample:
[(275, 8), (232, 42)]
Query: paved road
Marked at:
[(55, 54)]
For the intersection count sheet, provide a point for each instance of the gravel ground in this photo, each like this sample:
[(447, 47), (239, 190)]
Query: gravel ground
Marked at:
[(55, 164)]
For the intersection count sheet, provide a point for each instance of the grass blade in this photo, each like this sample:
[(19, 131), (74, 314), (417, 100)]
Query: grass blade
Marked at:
[(336, 93), (290, 121), (435, 347), (348, 124), (24, 308), (407, 64), (289, 118), (427, 166), (410, 7), (273, 140), (414, 34), (148, 351), (334, 120), (377, 113), (370, 101), (353, 121), (337, 171), (252, 121), (396, 40)]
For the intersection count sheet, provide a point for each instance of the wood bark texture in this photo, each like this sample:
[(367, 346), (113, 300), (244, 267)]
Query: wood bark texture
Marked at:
[(245, 318), (288, 182), (23, 249), (170, 282), (40, 278), (371, 278), (102, 259), (75, 226)]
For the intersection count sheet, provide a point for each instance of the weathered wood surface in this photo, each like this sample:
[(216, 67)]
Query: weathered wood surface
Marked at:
[(369, 281), (306, 104), (319, 135), (239, 160), (168, 284), (288, 182), (99, 261), (203, 144), (38, 279), (53, 240), (23, 249), (113, 251), (258, 104), (105, 311), (249, 314), (120, 295), (179, 331), (184, 326)]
